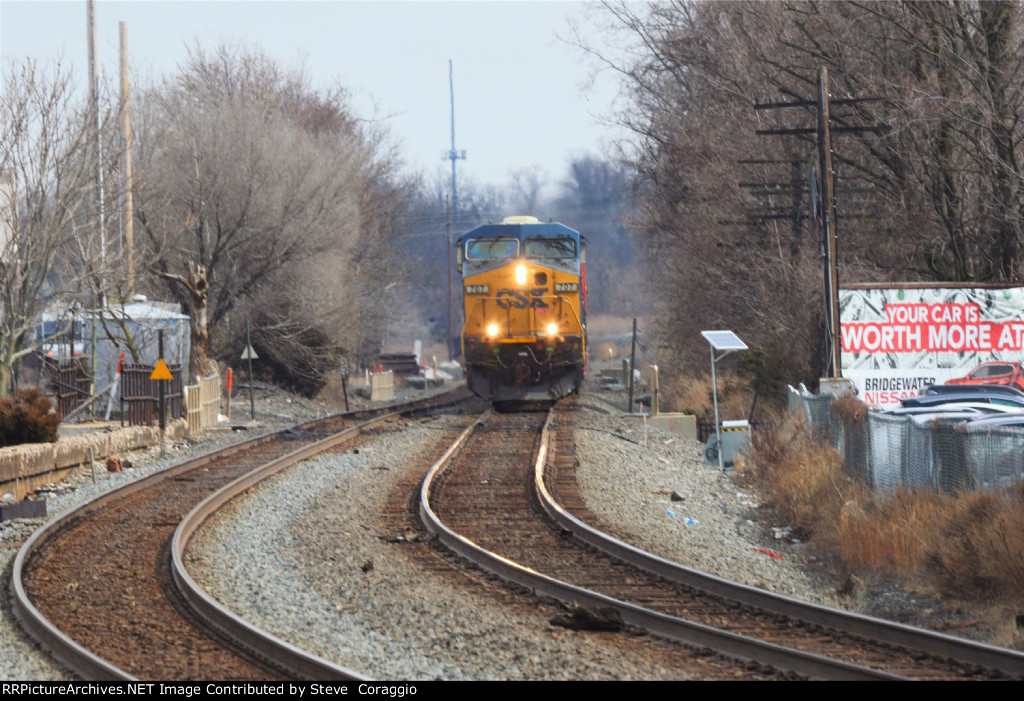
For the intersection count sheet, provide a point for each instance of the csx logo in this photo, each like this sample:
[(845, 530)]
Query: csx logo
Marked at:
[(521, 299)]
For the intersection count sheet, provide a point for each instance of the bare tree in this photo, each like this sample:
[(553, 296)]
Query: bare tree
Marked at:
[(526, 185), (48, 247), (938, 197), (248, 175)]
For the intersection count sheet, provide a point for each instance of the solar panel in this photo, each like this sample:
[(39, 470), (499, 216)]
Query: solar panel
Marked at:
[(724, 340)]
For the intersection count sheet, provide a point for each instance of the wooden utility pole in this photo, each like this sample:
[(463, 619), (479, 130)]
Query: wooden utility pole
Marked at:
[(826, 211), (126, 136), (94, 106), (828, 221)]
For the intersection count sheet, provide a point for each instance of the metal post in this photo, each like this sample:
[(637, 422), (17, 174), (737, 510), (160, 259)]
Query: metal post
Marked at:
[(632, 371), (248, 345), (714, 392), (448, 250), (161, 385), (71, 343), (655, 395)]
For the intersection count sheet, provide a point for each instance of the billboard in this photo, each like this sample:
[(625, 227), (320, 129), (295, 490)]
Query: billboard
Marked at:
[(898, 340)]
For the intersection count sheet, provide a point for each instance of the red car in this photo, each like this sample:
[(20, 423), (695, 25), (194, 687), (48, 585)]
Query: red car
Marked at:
[(993, 373)]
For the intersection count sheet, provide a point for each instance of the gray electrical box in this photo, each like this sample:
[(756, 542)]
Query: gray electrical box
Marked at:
[(735, 441)]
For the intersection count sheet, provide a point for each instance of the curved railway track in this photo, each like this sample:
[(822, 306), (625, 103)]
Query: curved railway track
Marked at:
[(104, 589), (482, 501)]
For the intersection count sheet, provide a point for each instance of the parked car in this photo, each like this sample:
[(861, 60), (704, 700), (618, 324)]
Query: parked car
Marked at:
[(964, 398), (979, 409), (1010, 390), (994, 373), (1014, 419), (996, 458)]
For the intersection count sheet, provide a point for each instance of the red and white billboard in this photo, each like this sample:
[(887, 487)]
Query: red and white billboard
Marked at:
[(898, 340)]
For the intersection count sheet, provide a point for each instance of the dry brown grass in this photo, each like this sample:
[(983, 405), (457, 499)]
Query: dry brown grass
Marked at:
[(608, 324), (979, 551), (969, 546), (693, 395), (888, 535), (801, 480)]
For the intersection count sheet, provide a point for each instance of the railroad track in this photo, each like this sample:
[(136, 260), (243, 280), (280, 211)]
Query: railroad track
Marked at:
[(104, 589), (482, 500)]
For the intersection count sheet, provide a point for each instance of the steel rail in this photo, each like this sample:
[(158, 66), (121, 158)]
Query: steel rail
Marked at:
[(687, 632), (77, 658), (939, 644), (87, 665), (260, 643)]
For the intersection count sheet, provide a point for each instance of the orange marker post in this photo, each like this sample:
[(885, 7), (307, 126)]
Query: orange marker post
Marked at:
[(228, 408)]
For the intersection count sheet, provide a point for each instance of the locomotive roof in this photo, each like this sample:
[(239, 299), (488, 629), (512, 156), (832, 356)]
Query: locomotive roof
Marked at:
[(521, 231)]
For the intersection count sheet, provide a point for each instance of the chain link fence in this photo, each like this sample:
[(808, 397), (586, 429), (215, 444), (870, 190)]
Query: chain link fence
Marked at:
[(947, 454)]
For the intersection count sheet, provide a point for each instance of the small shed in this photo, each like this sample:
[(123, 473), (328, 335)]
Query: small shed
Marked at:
[(138, 323)]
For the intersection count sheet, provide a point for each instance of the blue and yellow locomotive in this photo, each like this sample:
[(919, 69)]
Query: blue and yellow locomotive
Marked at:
[(524, 293)]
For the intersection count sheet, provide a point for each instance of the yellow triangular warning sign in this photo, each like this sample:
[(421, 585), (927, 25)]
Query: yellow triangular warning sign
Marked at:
[(161, 371)]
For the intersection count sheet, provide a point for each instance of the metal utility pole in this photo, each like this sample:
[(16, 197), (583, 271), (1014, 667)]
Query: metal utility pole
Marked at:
[(452, 154), (451, 207), (451, 317), (632, 364), (126, 171)]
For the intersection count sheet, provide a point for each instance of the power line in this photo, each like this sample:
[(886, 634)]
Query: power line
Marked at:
[(823, 192)]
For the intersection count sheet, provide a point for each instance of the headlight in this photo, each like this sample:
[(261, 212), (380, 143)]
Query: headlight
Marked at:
[(520, 274), (552, 329), (492, 330)]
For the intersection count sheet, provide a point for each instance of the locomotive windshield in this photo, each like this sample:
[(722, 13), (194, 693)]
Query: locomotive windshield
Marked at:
[(559, 247), (481, 249)]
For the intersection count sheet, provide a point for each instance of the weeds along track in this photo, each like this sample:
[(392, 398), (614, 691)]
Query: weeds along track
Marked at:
[(487, 495), (102, 587)]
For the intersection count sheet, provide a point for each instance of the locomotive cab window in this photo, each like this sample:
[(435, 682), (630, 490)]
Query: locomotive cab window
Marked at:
[(483, 249), (557, 247)]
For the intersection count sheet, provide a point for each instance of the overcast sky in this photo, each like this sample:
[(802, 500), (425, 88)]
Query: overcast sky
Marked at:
[(519, 96)]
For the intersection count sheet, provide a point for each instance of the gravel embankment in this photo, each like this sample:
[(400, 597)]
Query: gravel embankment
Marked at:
[(629, 481)]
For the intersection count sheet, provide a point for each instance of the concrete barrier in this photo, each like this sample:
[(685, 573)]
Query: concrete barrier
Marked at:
[(23, 468)]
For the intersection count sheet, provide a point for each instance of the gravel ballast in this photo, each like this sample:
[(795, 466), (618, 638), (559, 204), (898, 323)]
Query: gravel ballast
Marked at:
[(318, 575), (300, 572), (20, 657), (628, 475), (292, 556)]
